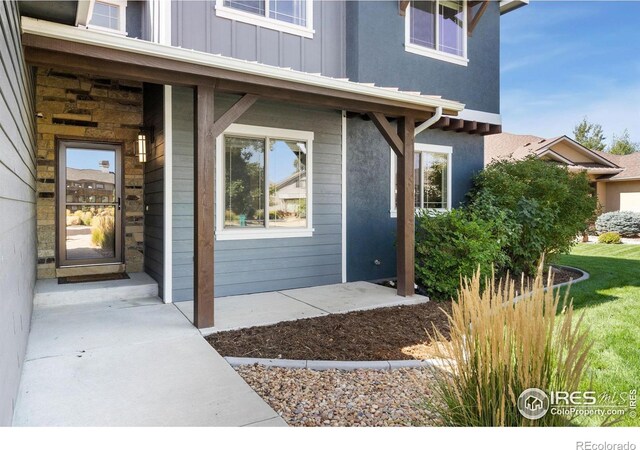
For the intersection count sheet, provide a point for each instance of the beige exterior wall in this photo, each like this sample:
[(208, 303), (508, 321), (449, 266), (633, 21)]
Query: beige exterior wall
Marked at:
[(601, 191), (613, 191), (566, 151), (86, 108)]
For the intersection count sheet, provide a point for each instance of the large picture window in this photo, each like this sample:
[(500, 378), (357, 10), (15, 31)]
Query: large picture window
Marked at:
[(291, 16), (438, 29), (432, 175), (264, 185)]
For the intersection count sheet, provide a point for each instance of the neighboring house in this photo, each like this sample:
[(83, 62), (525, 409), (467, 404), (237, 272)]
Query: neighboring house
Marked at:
[(615, 178), (254, 145)]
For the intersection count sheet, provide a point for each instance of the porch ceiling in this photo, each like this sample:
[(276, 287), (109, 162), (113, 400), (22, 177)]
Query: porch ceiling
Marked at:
[(61, 46)]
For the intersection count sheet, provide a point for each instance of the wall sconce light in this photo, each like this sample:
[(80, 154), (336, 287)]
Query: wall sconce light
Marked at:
[(145, 138)]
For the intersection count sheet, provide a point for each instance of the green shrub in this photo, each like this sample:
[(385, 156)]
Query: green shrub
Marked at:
[(545, 205), (454, 244), (626, 223), (498, 348), (610, 237)]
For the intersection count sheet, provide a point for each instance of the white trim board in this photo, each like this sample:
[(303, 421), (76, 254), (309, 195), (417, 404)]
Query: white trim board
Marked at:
[(479, 116), (168, 195), (221, 233), (344, 197)]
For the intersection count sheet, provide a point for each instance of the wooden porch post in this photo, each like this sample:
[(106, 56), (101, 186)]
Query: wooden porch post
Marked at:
[(406, 208), (204, 183)]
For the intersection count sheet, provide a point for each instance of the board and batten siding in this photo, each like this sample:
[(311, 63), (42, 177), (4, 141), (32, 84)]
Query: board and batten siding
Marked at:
[(196, 26), (18, 180), (261, 265), (154, 186)]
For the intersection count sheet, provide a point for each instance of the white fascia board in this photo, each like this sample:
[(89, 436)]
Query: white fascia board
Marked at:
[(83, 12), (64, 32), (479, 116), (507, 6)]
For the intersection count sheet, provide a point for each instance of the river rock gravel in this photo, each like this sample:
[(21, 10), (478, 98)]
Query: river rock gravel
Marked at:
[(306, 397)]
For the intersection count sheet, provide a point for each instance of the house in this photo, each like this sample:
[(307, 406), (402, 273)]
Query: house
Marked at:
[(254, 145), (615, 178)]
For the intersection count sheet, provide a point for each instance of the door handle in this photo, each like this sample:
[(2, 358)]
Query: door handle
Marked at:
[(118, 202)]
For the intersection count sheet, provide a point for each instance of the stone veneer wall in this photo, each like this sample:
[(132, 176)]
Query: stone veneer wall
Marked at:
[(87, 108)]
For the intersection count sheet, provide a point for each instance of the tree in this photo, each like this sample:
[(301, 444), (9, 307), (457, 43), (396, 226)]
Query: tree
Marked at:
[(622, 145), (546, 207), (590, 135)]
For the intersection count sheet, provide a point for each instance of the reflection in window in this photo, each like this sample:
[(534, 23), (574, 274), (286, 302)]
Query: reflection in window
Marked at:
[(290, 11), (287, 184), (423, 23), (434, 180), (106, 15), (431, 180), (438, 25), (250, 6), (451, 20), (244, 194)]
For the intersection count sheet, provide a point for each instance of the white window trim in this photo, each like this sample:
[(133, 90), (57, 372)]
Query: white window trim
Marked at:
[(223, 234), (435, 53), (122, 20), (419, 148), (266, 21)]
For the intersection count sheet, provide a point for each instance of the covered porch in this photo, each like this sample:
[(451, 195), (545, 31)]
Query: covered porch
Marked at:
[(394, 113)]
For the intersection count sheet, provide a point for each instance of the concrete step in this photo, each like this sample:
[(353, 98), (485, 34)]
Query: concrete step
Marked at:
[(50, 293)]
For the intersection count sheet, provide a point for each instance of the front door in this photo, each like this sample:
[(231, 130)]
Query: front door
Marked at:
[(89, 206)]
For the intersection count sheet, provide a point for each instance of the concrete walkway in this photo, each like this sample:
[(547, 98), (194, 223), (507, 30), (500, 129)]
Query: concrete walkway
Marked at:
[(129, 363), (268, 308)]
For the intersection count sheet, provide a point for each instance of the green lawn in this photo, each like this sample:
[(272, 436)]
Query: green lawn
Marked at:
[(610, 300)]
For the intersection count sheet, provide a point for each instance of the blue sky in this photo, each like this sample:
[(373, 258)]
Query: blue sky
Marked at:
[(563, 60)]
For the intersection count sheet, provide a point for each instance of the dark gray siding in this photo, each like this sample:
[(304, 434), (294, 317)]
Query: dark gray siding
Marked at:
[(261, 265), (376, 54), (135, 11), (371, 232), (183, 126), (18, 206), (196, 26), (154, 186)]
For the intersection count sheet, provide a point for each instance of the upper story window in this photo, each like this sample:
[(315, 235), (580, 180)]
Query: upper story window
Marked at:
[(438, 29), (264, 188), (109, 15), (289, 16), (432, 175)]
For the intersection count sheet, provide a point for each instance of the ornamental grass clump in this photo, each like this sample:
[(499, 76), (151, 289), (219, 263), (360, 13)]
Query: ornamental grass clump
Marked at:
[(498, 347)]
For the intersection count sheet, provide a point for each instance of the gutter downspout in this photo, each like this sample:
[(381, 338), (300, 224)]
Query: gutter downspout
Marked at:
[(427, 123)]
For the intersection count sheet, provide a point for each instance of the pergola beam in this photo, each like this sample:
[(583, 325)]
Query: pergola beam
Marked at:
[(388, 132), (207, 130), (473, 22), (233, 113), (402, 7), (406, 209), (204, 183)]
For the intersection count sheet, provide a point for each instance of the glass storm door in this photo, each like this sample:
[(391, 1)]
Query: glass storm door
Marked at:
[(89, 209)]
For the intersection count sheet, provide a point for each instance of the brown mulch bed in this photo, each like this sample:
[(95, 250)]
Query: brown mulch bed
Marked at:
[(377, 334), (560, 275), (396, 333)]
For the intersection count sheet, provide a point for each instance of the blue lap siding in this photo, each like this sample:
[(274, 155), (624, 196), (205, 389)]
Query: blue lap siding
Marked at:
[(259, 265)]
